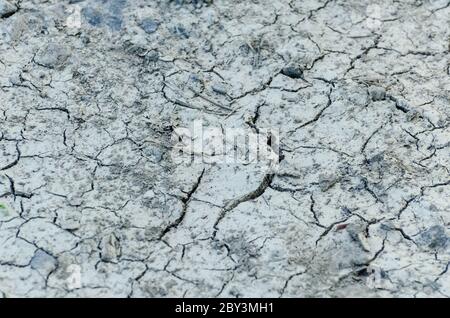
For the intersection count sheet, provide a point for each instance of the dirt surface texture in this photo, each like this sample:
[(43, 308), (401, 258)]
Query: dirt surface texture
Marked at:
[(95, 201)]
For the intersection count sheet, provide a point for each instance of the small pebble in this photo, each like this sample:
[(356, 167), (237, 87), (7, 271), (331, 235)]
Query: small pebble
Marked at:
[(43, 262), (292, 72), (149, 25)]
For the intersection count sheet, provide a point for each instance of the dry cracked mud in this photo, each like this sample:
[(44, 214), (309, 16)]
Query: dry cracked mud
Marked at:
[(93, 204)]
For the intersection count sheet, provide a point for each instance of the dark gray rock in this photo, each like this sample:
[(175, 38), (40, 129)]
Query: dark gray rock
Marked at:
[(149, 25), (292, 72)]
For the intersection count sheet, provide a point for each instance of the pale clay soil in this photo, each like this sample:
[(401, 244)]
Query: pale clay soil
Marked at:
[(93, 204)]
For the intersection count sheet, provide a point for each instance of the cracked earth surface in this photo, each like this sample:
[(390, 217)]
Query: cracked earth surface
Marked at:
[(359, 205)]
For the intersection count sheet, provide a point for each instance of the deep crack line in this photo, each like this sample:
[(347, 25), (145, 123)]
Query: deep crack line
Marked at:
[(318, 115), (267, 180), (15, 162), (288, 280), (185, 201)]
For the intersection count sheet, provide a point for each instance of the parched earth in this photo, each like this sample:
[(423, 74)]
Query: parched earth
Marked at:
[(94, 204)]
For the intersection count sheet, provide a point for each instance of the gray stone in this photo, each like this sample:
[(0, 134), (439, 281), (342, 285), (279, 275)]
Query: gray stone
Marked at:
[(149, 25), (292, 72), (43, 262)]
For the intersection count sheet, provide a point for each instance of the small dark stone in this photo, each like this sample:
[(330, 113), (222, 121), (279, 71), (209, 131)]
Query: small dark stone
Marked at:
[(149, 25), (292, 72), (362, 272)]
